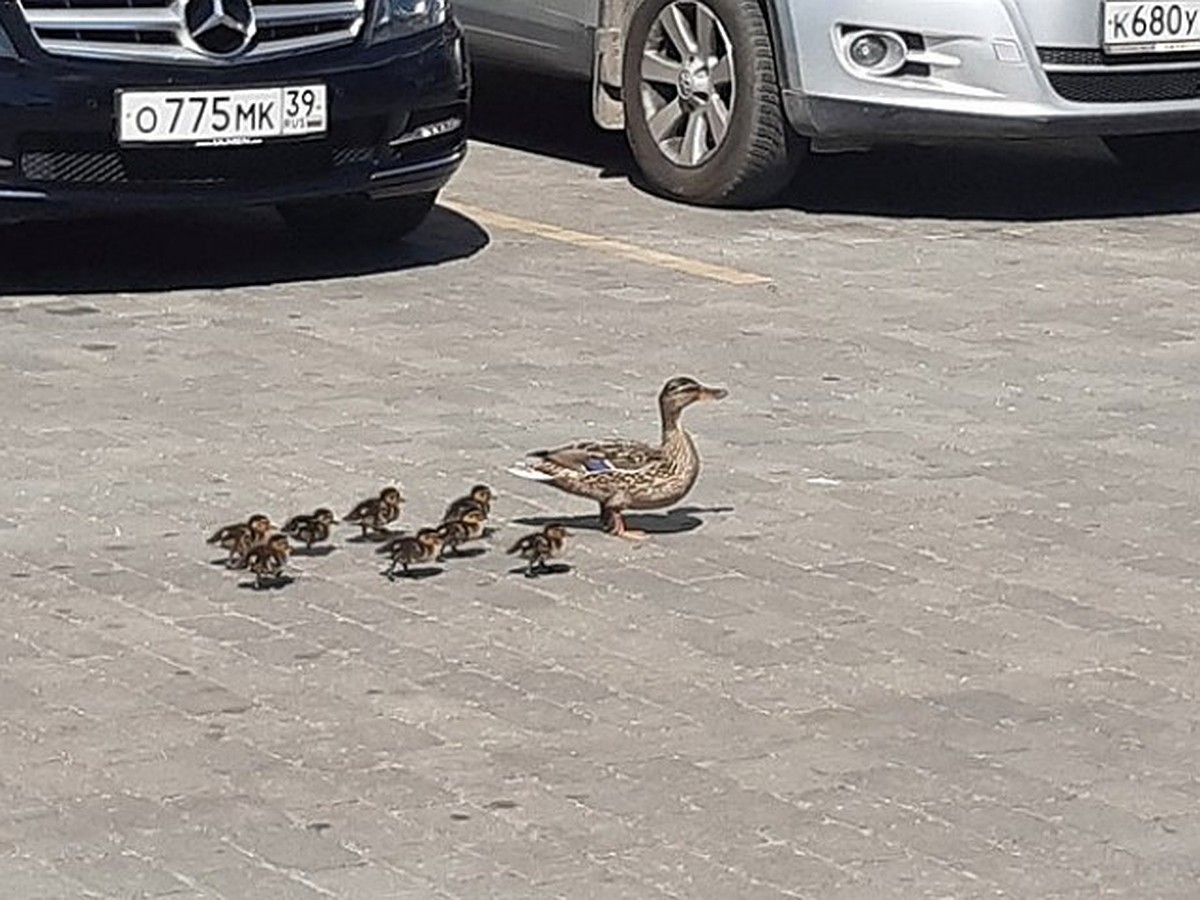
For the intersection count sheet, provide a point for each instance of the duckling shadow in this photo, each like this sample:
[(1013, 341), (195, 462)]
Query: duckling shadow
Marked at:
[(414, 574), (675, 521), (548, 569), (469, 553), (313, 552), (275, 584), (376, 537)]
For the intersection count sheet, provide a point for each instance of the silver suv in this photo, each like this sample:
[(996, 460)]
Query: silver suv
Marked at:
[(722, 99)]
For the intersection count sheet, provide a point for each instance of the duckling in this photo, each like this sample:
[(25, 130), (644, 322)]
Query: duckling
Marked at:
[(539, 547), (375, 513), (406, 551), (240, 537), (479, 498), (267, 560), (311, 529), (468, 527)]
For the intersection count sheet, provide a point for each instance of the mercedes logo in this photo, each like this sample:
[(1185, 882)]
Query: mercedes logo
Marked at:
[(220, 27)]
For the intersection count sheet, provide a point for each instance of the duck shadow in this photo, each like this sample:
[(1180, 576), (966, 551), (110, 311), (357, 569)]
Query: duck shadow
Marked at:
[(275, 584), (674, 521), (314, 552), (374, 537), (469, 553), (414, 574), (548, 569)]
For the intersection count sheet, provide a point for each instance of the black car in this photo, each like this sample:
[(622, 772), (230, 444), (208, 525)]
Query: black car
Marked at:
[(348, 115)]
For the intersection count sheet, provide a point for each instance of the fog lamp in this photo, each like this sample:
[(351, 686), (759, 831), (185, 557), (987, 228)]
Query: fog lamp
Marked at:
[(875, 52)]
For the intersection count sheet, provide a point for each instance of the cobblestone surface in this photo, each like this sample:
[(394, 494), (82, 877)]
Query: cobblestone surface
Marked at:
[(926, 628)]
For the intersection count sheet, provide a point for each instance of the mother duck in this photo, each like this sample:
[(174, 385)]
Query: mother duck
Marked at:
[(621, 474)]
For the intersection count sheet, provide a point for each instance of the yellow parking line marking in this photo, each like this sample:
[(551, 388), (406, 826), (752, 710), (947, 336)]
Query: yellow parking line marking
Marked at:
[(694, 267)]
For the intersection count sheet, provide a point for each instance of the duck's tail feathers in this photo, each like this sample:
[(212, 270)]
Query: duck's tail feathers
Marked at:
[(524, 470)]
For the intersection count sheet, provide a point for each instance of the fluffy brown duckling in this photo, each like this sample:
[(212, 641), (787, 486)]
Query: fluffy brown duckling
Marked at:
[(468, 527), (310, 529), (239, 537), (540, 547), (268, 560), (480, 498), (376, 513), (425, 546)]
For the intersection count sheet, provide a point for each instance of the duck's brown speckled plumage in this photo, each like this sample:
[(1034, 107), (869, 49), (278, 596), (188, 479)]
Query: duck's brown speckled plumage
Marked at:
[(623, 474)]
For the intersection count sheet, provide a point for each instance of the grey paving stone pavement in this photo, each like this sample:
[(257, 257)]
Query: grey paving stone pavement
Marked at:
[(926, 628)]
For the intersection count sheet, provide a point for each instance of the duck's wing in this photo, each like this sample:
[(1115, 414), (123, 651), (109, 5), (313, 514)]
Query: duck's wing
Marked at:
[(227, 533), (295, 523), (526, 545), (597, 457), (364, 510)]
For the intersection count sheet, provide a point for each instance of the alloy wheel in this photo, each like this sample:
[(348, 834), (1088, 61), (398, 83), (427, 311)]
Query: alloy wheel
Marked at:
[(688, 86)]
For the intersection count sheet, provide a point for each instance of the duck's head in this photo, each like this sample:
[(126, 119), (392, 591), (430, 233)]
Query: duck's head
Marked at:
[(555, 532), (325, 516), (391, 496), (260, 523), (481, 493), (279, 545), (681, 392)]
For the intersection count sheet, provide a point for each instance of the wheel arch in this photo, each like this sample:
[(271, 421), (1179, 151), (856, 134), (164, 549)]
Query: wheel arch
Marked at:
[(609, 50)]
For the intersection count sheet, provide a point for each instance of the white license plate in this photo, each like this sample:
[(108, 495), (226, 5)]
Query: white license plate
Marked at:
[(240, 115), (1162, 26)]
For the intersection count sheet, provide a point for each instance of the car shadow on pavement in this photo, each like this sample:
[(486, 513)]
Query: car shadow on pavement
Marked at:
[(1005, 181), (1013, 181), (173, 251), (558, 124)]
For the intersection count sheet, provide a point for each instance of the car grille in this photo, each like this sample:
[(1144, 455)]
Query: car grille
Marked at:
[(1092, 76), (151, 167), (1082, 56), (156, 30), (1126, 87), (86, 160)]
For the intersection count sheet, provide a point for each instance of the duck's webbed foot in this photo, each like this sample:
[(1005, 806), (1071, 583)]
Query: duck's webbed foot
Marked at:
[(613, 521)]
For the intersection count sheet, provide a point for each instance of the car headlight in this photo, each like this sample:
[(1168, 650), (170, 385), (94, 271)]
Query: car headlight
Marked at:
[(400, 18)]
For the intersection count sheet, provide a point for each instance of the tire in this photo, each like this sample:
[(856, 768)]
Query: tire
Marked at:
[(358, 220), (676, 102), (1161, 157)]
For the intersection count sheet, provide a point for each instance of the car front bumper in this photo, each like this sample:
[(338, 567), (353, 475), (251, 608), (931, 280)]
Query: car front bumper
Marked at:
[(979, 68), (59, 154)]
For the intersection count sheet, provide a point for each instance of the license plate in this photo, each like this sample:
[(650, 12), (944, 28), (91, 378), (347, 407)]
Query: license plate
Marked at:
[(1164, 26), (238, 116)]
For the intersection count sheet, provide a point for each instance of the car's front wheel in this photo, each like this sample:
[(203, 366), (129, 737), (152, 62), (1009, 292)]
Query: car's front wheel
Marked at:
[(1172, 156), (703, 112), (358, 220)]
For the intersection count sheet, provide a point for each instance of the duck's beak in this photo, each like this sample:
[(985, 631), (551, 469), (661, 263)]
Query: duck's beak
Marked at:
[(713, 393)]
